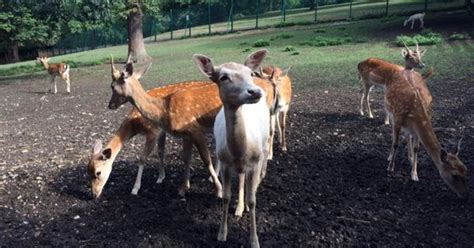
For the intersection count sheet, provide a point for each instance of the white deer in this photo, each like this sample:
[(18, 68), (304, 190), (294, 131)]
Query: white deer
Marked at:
[(241, 130), (413, 18)]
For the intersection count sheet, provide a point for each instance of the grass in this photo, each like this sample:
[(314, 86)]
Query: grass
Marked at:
[(326, 41), (457, 36), (427, 37), (261, 43)]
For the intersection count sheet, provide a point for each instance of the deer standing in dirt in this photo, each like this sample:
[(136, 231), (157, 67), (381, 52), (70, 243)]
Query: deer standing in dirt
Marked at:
[(241, 130), (100, 163), (55, 70), (409, 110), (282, 82), (373, 71), (187, 114), (414, 18)]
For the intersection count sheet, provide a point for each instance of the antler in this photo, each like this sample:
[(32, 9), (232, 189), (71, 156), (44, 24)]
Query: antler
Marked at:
[(115, 72), (406, 46), (417, 48)]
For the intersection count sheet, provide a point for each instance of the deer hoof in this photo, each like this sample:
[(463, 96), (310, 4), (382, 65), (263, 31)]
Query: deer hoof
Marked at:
[(414, 178), (134, 191)]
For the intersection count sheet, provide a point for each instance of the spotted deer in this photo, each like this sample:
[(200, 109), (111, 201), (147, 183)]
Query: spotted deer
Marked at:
[(188, 114), (373, 71), (102, 159), (413, 18), (282, 82), (410, 111), (241, 130), (55, 70)]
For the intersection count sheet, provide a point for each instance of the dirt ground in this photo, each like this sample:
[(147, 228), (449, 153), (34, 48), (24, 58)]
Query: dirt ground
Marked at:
[(330, 189)]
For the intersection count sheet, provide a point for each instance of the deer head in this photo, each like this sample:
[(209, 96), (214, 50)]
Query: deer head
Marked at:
[(413, 58), (99, 168), (454, 172), (236, 86), (274, 75), (122, 83)]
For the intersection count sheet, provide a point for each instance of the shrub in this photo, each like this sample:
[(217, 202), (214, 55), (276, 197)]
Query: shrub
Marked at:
[(427, 37), (327, 41), (246, 50), (261, 43), (295, 53), (290, 49), (282, 36), (244, 43), (319, 31), (457, 36)]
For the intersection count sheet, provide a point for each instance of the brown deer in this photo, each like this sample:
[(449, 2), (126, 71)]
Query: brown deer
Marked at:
[(55, 70), (373, 71), (101, 161), (409, 110), (241, 130), (282, 82)]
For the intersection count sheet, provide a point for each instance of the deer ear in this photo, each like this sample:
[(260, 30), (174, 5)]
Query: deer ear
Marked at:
[(127, 70), (457, 148), (254, 60), (106, 154), (285, 72), (206, 66), (97, 147), (138, 74), (404, 52), (422, 52)]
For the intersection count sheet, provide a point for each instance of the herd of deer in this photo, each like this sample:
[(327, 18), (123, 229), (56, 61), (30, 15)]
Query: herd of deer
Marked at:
[(243, 103)]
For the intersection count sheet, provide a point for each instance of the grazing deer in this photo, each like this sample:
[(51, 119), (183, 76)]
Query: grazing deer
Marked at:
[(413, 18), (100, 163), (55, 70), (373, 71), (188, 114), (282, 81), (241, 130), (409, 112)]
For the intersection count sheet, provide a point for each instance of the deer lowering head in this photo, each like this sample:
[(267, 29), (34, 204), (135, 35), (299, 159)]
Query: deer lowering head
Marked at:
[(454, 172), (413, 57), (99, 167), (123, 83)]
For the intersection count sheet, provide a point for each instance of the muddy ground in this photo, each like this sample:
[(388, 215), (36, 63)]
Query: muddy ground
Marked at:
[(330, 189)]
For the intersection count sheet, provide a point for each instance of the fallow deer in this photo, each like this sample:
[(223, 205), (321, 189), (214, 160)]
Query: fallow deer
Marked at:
[(409, 112), (373, 71), (187, 114), (282, 81), (55, 70), (100, 163), (241, 130), (413, 18)]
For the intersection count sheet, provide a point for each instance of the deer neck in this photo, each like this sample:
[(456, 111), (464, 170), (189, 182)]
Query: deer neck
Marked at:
[(123, 134), (150, 107), (429, 140), (235, 130)]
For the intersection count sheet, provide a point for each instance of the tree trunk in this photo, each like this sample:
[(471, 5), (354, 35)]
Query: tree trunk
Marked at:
[(15, 53), (136, 46)]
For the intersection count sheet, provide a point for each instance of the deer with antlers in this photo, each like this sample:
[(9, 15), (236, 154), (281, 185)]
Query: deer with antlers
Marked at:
[(408, 105), (373, 71), (54, 70), (102, 158), (241, 130)]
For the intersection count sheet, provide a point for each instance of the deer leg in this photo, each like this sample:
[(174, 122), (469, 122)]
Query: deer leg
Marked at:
[(200, 142), (362, 99), (68, 84), (272, 135), (55, 86), (393, 150), (222, 236), (149, 145), (187, 152), (241, 203), (387, 119), (161, 155), (414, 170), (253, 180), (368, 102), (282, 130), (412, 23)]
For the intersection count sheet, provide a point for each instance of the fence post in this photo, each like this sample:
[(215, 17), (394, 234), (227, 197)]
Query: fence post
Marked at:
[(209, 14), (350, 10), (188, 21), (231, 17), (386, 9), (426, 6), (171, 22), (316, 10), (283, 11), (256, 14)]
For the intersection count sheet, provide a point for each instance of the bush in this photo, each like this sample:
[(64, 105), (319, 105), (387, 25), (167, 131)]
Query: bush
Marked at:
[(327, 41), (282, 36), (246, 50), (244, 43), (295, 53), (457, 36), (427, 37), (290, 49), (319, 31), (261, 43)]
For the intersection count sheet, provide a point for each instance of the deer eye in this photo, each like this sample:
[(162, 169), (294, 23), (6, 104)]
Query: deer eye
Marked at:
[(97, 174), (224, 78)]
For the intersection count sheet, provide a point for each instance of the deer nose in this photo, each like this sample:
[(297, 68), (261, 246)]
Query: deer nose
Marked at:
[(255, 92), (422, 65), (112, 105)]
